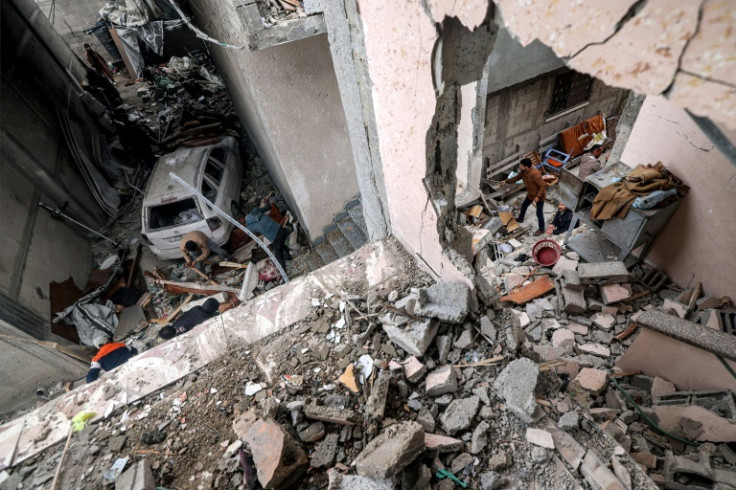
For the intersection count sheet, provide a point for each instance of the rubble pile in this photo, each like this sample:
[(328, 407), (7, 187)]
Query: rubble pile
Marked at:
[(431, 385), (275, 11)]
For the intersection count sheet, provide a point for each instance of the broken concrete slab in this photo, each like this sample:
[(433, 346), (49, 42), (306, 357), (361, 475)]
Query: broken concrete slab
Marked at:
[(441, 381), (675, 306), (465, 340), (479, 439), (332, 415), (414, 337), (441, 443), (661, 387), (569, 420), (338, 481), (570, 450), (459, 414), (595, 349), (447, 301), (325, 452), (540, 438), (564, 264), (602, 272), (390, 452), (573, 301), (516, 385), (564, 340), (137, 477), (593, 380), (714, 428), (278, 458), (597, 474), (376, 404), (604, 321), (719, 343), (613, 293), (652, 354), (413, 369)]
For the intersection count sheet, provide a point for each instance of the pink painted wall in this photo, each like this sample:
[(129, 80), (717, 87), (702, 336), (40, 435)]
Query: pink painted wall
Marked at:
[(698, 242), (399, 38)]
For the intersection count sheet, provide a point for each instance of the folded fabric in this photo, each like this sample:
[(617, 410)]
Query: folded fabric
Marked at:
[(614, 200)]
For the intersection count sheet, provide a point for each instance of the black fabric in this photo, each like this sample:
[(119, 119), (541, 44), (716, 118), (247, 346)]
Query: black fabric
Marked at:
[(540, 211), (127, 296), (279, 247), (191, 319), (116, 358)]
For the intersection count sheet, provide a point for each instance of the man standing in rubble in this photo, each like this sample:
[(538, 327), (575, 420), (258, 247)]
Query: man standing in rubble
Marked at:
[(536, 191), (589, 163), (195, 246), (258, 221)]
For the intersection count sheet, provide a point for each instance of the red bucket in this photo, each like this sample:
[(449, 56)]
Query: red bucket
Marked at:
[(546, 252)]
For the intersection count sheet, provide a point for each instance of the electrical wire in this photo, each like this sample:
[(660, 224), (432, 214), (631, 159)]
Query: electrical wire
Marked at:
[(649, 421)]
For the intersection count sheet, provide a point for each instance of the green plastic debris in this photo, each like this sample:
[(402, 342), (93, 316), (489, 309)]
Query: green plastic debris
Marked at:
[(442, 474)]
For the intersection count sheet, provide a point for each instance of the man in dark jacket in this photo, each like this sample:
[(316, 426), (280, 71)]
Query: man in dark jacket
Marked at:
[(536, 191), (190, 319), (561, 221), (258, 221), (111, 355)]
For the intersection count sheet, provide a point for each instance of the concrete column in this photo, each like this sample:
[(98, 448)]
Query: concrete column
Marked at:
[(348, 57)]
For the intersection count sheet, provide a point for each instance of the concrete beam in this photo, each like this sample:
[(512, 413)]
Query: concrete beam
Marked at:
[(718, 343)]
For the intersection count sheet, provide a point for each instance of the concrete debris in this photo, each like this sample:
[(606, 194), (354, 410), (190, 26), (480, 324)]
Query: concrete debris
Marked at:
[(604, 321), (602, 272), (491, 480), (278, 458), (569, 420), (338, 481), (516, 385), (613, 293), (331, 414), (459, 414), (326, 451), (376, 404), (347, 379), (598, 475), (390, 452), (137, 477), (446, 301), (414, 369), (414, 337), (441, 381), (443, 444), (591, 379), (465, 340), (479, 439), (540, 438)]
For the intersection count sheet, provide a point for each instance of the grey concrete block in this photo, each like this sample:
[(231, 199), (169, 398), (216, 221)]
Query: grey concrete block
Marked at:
[(516, 385), (446, 301)]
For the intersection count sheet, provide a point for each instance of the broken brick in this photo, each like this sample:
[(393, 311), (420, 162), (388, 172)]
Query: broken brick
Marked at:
[(347, 379), (413, 369), (591, 379), (278, 458), (441, 381), (613, 293), (442, 444)]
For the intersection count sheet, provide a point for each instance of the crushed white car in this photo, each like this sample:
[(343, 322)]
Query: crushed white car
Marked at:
[(170, 210)]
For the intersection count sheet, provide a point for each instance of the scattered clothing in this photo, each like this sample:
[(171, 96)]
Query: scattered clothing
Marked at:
[(653, 199), (561, 221), (258, 221), (614, 200), (190, 319), (589, 165), (91, 319), (109, 357)]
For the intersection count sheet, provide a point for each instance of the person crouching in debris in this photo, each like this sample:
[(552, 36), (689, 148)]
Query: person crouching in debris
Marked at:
[(258, 221), (561, 221), (190, 319), (111, 355), (536, 191), (195, 246)]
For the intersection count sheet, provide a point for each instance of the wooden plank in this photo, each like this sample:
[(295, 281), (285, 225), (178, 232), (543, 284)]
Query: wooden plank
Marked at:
[(531, 291), (123, 54)]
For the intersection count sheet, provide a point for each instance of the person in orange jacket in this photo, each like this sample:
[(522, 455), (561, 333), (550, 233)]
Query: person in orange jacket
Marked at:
[(111, 355)]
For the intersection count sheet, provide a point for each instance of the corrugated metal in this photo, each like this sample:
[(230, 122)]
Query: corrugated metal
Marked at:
[(23, 319)]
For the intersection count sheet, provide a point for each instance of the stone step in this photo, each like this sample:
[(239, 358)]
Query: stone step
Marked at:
[(338, 241), (326, 252), (313, 260), (352, 232), (356, 214)]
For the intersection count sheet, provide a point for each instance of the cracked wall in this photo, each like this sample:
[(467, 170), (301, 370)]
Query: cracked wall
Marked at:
[(682, 49), (697, 242), (417, 105)]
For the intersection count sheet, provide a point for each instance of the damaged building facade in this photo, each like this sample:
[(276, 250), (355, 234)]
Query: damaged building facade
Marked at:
[(404, 111)]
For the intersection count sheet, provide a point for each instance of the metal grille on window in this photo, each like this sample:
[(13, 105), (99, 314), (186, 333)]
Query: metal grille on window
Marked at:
[(570, 89)]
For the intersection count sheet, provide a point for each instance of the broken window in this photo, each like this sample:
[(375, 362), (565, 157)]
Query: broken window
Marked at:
[(215, 167), (570, 89), (173, 213)]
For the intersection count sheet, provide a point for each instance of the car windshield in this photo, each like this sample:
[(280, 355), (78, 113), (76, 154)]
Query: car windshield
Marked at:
[(173, 214)]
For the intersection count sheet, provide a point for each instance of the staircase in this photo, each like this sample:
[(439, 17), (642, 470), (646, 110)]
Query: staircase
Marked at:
[(346, 234)]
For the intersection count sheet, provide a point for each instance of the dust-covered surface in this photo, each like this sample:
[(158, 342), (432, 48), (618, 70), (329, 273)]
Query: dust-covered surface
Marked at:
[(195, 433)]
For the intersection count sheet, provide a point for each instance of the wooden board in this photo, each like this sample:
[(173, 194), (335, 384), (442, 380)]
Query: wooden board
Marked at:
[(531, 291)]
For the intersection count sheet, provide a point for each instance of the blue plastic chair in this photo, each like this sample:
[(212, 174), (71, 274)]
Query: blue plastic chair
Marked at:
[(554, 160)]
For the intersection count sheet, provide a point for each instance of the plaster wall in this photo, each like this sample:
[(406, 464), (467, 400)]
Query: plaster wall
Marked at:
[(517, 120), (697, 243), (288, 101), (399, 42)]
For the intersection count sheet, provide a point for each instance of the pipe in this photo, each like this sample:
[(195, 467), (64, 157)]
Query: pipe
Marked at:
[(235, 223)]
